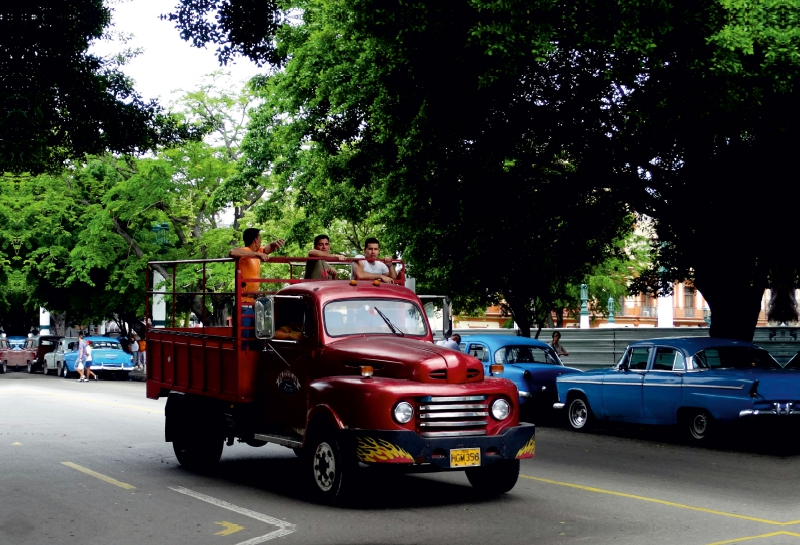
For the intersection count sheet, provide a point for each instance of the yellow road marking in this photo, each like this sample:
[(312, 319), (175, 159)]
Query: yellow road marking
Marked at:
[(230, 528), (155, 410), (100, 476), (661, 502), (762, 536)]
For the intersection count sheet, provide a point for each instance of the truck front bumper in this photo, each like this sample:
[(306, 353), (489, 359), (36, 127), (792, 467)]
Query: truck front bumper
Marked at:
[(407, 447)]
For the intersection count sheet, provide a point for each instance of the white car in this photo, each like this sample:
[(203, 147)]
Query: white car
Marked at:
[(53, 361)]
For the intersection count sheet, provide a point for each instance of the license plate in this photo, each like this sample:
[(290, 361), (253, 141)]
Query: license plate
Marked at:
[(465, 457)]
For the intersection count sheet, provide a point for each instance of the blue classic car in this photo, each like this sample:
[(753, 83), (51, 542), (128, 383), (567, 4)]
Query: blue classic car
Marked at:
[(693, 382), (107, 356), (531, 364)]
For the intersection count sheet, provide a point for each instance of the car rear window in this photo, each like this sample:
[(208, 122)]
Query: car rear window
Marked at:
[(734, 357)]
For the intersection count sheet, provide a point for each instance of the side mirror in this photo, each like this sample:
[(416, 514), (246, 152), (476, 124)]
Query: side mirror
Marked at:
[(265, 317)]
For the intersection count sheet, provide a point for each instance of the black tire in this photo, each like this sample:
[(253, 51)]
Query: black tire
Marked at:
[(699, 425), (198, 454), (579, 415), (64, 370), (330, 470), (496, 479)]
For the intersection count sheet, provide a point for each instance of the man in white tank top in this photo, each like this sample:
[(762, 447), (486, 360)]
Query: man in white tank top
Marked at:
[(371, 267)]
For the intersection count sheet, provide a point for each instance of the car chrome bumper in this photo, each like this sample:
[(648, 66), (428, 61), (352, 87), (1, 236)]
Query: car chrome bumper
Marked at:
[(777, 409), (559, 405)]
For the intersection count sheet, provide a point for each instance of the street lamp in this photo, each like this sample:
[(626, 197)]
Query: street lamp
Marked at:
[(611, 319), (584, 306)]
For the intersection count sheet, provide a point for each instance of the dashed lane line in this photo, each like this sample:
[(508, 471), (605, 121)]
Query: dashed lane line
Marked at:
[(284, 528), (100, 476), (660, 502)]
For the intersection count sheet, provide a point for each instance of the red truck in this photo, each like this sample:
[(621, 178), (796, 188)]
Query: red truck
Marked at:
[(340, 371)]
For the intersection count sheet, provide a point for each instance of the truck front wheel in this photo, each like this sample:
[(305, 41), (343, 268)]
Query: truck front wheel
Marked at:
[(498, 478), (198, 454), (330, 470)]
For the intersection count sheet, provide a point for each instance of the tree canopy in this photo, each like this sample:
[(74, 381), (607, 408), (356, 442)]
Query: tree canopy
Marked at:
[(444, 115), (57, 101)]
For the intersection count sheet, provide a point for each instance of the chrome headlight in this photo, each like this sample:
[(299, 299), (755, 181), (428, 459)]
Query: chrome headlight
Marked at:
[(500, 409), (403, 412)]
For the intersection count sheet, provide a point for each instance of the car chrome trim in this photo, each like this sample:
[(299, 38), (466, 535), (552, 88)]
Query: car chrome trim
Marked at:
[(713, 387), (449, 399), (278, 440), (453, 433), (473, 406), (525, 394), (455, 415), (559, 405), (580, 381), (454, 424), (664, 385)]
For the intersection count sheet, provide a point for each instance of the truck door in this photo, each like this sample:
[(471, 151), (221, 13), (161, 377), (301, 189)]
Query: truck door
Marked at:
[(288, 357)]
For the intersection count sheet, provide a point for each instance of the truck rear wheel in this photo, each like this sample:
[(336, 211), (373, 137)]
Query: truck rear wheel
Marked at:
[(330, 470), (198, 454), (498, 478)]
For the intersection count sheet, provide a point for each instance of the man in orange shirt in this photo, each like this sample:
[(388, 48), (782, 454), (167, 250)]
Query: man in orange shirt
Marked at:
[(251, 255), (249, 260)]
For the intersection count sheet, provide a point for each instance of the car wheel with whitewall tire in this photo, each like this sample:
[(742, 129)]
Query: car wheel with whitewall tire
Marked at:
[(579, 416), (496, 479), (699, 425), (65, 371), (5, 366), (30, 367), (330, 472)]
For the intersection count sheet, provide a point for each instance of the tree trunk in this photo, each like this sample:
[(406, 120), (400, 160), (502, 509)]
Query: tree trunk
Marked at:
[(734, 301)]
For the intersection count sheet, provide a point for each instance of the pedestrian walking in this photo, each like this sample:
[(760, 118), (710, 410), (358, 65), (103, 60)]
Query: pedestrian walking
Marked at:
[(80, 358), (142, 354), (560, 350), (88, 364)]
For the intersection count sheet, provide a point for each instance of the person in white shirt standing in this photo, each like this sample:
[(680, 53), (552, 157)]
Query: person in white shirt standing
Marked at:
[(88, 363), (371, 267)]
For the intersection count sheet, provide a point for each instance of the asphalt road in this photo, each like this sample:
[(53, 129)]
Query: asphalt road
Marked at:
[(87, 464)]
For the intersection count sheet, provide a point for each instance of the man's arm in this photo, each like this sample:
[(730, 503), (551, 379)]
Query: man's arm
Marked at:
[(261, 253), (389, 265), (359, 273), (320, 253)]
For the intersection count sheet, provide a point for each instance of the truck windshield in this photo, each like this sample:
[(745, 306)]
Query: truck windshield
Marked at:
[(358, 317)]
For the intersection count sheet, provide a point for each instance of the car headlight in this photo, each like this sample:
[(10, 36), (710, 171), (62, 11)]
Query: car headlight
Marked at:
[(403, 412), (500, 409)]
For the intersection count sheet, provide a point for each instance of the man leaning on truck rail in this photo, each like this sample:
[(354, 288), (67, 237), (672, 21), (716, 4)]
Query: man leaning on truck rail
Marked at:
[(248, 260), (251, 255), (371, 267)]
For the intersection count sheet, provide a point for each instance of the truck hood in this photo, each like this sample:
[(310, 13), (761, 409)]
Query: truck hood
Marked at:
[(402, 358)]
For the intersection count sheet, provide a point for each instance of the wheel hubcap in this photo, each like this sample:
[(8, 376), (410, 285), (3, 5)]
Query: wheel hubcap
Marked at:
[(578, 414), (699, 426), (324, 467)]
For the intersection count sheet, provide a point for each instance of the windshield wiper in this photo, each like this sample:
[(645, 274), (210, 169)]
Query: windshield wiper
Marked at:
[(394, 328)]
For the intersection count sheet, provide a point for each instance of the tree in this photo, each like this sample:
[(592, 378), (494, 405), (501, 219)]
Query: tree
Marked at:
[(654, 101), (59, 102)]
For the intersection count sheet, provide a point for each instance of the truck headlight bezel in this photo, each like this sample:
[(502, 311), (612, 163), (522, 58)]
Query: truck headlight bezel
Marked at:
[(403, 412), (500, 409)]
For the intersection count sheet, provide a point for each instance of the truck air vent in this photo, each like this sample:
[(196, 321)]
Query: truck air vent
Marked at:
[(473, 373), (439, 374), (453, 416)]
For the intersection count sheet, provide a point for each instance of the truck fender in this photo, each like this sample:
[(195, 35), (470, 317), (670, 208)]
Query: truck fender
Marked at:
[(323, 415)]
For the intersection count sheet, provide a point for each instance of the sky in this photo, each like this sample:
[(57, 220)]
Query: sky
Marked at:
[(168, 63)]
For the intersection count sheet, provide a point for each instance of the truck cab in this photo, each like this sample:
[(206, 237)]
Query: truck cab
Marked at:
[(343, 372)]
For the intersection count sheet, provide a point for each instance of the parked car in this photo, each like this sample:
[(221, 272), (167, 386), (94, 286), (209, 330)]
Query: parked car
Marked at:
[(694, 382), (531, 364), (54, 360), (45, 345), (21, 356), (107, 357)]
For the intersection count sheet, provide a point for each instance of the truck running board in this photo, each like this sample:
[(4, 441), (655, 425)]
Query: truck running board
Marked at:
[(284, 440)]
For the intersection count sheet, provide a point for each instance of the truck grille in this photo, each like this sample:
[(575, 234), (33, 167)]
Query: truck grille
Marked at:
[(453, 416), (441, 374)]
